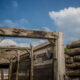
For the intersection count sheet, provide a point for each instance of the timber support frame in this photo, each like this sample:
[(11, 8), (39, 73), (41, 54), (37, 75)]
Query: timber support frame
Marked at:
[(59, 61)]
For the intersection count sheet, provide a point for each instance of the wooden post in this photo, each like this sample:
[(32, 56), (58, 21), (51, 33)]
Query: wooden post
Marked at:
[(2, 74), (18, 56), (10, 70), (60, 57), (55, 61), (31, 55)]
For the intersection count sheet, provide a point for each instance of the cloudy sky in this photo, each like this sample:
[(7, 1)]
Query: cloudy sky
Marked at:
[(48, 15)]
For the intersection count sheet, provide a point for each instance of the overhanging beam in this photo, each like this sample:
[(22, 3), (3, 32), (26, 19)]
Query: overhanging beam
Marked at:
[(13, 32)]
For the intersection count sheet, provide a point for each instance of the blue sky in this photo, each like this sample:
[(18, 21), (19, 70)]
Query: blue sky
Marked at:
[(40, 15)]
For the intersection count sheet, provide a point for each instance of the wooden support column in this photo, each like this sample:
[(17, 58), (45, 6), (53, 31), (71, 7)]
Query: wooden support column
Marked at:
[(17, 73), (60, 57), (31, 70), (10, 70), (55, 61)]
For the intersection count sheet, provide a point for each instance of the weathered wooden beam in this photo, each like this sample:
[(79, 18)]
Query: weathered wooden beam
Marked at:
[(73, 52), (69, 60), (41, 46), (42, 51), (73, 73), (13, 32), (74, 44), (60, 57), (77, 58), (73, 66)]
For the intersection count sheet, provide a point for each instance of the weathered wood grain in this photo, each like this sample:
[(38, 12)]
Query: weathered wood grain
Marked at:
[(74, 73), (77, 58), (73, 66), (69, 60), (75, 44), (73, 52), (13, 32)]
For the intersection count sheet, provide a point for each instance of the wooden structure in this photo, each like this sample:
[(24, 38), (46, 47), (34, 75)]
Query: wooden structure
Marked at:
[(53, 37), (73, 61)]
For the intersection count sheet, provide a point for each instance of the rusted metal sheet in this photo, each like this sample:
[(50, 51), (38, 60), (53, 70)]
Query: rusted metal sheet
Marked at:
[(13, 32)]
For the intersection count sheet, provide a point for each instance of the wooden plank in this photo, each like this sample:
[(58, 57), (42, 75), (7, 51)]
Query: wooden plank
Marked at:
[(73, 52), (77, 58), (41, 46), (73, 66), (13, 32), (31, 55), (17, 73), (73, 73), (10, 70), (61, 57), (75, 44)]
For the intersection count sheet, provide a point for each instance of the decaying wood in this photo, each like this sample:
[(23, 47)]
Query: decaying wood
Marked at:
[(73, 52), (59, 63), (74, 73), (73, 59), (51, 42), (73, 66), (75, 44), (69, 60), (77, 58), (42, 46), (61, 57), (10, 69), (12, 32)]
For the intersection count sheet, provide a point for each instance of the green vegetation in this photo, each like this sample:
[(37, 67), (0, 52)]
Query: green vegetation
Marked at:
[(65, 49)]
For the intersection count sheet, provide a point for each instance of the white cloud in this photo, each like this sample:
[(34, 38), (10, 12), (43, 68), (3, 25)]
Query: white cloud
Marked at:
[(21, 23), (46, 29), (7, 42), (67, 21), (15, 4)]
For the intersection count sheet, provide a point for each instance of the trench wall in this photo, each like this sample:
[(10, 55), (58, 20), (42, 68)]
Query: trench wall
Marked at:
[(73, 61)]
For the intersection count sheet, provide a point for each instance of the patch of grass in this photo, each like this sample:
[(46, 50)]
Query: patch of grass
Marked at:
[(65, 49)]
